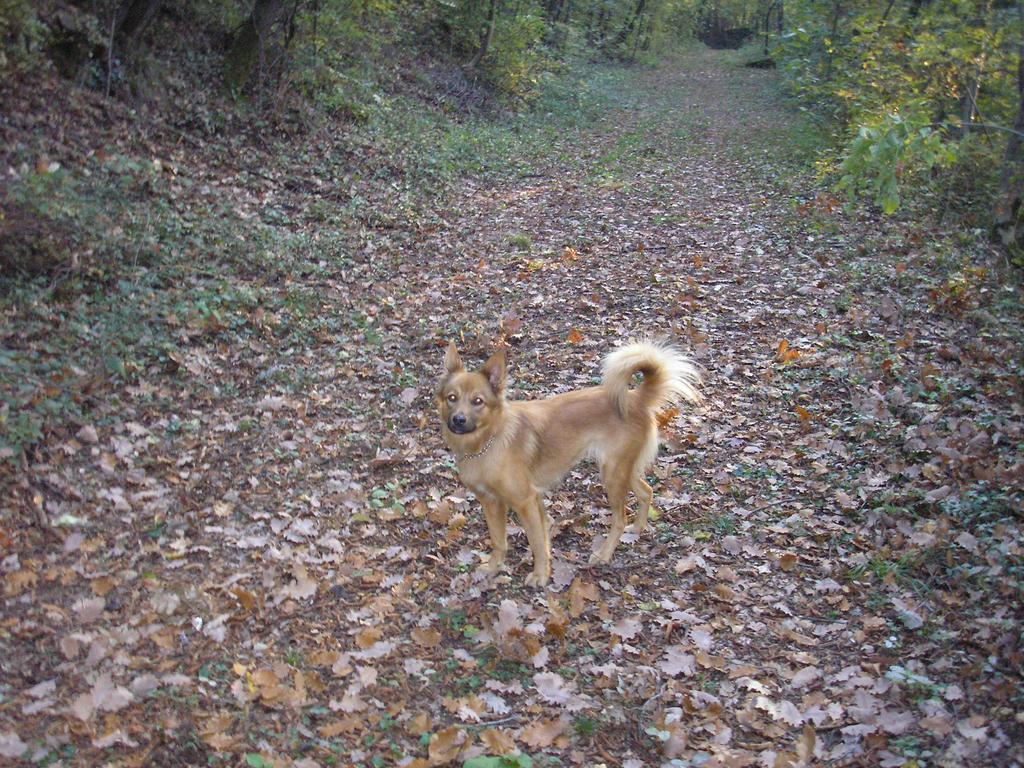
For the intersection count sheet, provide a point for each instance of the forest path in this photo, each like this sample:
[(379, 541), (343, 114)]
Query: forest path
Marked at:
[(308, 590)]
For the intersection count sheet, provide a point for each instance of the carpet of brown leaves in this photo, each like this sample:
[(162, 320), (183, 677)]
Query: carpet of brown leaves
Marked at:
[(253, 571)]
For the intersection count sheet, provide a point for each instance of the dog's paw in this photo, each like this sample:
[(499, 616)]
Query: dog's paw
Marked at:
[(491, 568), (600, 558), (537, 580)]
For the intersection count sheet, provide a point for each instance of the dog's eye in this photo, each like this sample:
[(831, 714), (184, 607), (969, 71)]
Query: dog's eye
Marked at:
[(452, 398), (478, 401)]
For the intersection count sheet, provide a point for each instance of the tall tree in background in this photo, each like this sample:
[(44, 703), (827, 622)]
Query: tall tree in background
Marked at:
[(486, 35), (132, 19), (249, 46), (1007, 226), (628, 27)]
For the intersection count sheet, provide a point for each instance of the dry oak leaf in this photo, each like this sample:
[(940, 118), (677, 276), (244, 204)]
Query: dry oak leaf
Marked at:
[(675, 744), (302, 587), (11, 745), (221, 742), (844, 499), (553, 687), (102, 585), (43, 689), (114, 737), (338, 727), (690, 562), (805, 676), (508, 618), (104, 696), (973, 728), (17, 582), (444, 746), (787, 561), (466, 708), (498, 742), (895, 722), (419, 724), (542, 733), (909, 614), (783, 710), (89, 609), (428, 638), (579, 593), (725, 593), (574, 337), (677, 661), (627, 628), (805, 744), (365, 638)]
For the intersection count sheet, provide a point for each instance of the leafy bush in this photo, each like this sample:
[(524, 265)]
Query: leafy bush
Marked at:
[(886, 154), (20, 33), (516, 58), (914, 83)]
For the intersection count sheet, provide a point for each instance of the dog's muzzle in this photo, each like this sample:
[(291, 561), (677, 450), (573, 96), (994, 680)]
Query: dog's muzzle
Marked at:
[(459, 424)]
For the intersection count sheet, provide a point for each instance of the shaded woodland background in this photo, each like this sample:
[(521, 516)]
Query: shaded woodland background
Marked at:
[(919, 99)]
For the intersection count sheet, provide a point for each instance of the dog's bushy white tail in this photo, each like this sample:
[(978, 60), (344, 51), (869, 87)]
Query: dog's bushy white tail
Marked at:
[(669, 376)]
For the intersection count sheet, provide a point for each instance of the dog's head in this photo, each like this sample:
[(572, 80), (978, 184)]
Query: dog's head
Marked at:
[(470, 400)]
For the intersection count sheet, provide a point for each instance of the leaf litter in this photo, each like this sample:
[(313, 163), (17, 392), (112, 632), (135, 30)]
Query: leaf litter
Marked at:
[(285, 570)]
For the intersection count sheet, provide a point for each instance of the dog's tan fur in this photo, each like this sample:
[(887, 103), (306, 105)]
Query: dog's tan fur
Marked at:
[(509, 453)]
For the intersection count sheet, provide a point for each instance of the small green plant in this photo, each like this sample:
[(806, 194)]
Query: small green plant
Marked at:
[(585, 726), (521, 242), (724, 524), (885, 154), (919, 686), (17, 432), (503, 761)]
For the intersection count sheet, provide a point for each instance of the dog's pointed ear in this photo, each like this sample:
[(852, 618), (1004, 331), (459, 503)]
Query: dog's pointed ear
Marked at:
[(452, 361), (494, 370)]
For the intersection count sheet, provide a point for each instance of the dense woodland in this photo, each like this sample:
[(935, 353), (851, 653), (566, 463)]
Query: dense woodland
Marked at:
[(235, 240), (919, 98)]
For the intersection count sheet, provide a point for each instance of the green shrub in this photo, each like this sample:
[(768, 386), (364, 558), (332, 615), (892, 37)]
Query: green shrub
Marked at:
[(886, 154), (20, 33)]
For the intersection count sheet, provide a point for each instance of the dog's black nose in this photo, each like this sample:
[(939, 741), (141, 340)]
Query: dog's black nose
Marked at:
[(459, 420)]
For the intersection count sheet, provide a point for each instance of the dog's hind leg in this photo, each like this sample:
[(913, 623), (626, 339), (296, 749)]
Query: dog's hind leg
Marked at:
[(534, 520), (644, 495), (616, 485), (644, 499), (496, 516)]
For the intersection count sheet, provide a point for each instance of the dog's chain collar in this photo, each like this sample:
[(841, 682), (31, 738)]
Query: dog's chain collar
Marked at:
[(481, 452)]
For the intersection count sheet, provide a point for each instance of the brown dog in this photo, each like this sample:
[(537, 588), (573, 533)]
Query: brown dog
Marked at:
[(509, 453)]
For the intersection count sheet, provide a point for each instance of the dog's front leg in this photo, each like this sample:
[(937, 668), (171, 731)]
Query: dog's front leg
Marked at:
[(535, 522), (496, 515)]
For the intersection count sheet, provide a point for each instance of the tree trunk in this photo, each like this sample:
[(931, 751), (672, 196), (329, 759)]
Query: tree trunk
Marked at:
[(1007, 227), (627, 30), (248, 46), (637, 36), (131, 21), (488, 33), (969, 103), (767, 19), (837, 12), (601, 29)]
